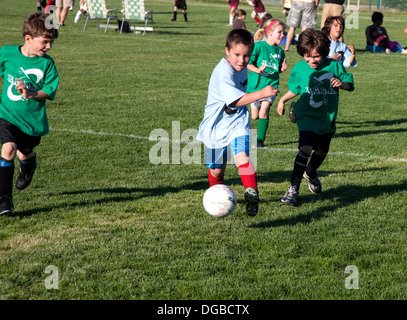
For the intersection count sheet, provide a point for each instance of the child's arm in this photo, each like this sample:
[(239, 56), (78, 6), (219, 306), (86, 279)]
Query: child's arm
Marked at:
[(352, 51), (254, 96), (336, 83), (254, 69), (27, 94), (288, 96), (284, 66)]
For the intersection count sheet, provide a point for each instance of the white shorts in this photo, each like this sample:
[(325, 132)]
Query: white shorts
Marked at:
[(257, 104)]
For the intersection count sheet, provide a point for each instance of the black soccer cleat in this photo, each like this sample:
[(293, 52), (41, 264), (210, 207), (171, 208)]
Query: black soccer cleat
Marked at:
[(251, 196), (6, 205), (26, 175)]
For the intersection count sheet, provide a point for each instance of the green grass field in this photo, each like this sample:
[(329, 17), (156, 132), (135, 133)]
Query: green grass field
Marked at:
[(117, 226)]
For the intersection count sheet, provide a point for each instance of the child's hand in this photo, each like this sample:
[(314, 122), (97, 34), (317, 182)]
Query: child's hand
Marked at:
[(336, 56), (336, 83), (284, 66), (262, 68), (270, 91), (280, 108), (22, 88), (352, 48)]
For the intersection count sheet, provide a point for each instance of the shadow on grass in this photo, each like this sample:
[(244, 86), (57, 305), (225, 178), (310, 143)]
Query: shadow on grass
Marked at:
[(382, 123), (121, 194), (343, 195), (114, 195)]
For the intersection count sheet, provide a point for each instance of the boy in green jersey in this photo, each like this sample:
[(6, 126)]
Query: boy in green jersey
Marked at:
[(317, 79), (30, 78)]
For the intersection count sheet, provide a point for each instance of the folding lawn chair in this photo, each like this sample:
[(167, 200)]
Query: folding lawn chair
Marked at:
[(97, 10), (134, 10)]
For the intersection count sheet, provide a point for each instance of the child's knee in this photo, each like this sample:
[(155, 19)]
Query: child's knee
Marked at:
[(9, 151)]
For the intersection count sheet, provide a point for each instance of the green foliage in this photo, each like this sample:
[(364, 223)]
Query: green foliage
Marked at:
[(118, 226)]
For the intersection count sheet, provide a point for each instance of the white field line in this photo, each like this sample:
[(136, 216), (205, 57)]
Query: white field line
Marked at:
[(132, 136)]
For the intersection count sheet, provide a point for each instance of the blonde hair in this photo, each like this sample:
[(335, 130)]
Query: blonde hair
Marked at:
[(261, 33)]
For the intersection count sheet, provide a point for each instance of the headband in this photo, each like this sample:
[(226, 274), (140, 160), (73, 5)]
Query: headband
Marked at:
[(270, 25)]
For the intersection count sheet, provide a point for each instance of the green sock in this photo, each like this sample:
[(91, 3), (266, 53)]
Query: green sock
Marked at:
[(262, 129)]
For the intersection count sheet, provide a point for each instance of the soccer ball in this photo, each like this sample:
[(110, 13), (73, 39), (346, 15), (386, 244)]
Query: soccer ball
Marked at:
[(219, 200)]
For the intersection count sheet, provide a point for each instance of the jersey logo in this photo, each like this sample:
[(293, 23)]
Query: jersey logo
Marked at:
[(30, 77), (319, 88)]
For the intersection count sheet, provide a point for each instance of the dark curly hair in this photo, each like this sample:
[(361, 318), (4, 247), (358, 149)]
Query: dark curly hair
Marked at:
[(311, 39)]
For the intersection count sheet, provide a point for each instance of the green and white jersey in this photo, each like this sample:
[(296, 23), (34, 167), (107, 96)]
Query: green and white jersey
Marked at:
[(317, 107), (38, 74), (265, 55)]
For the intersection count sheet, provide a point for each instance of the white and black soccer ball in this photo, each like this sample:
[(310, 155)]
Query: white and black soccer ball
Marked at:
[(219, 200)]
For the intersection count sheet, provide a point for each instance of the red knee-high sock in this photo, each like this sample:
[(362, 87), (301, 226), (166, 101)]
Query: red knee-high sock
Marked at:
[(248, 175), (214, 180), (257, 20)]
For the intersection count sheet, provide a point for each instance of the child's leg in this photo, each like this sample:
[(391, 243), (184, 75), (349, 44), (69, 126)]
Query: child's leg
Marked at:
[(254, 16), (246, 170), (263, 121), (8, 153), (317, 159), (215, 160), (175, 14), (215, 176), (249, 181), (300, 165), (241, 149), (231, 15), (28, 164)]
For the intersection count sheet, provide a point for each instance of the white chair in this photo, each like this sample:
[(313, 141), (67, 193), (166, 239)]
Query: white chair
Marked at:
[(134, 10), (97, 10)]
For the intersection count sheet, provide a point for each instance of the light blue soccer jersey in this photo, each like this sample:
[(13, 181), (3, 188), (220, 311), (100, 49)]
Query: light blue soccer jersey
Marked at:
[(338, 46), (218, 128)]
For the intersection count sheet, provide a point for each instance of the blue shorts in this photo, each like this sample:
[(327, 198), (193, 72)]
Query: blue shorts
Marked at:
[(216, 158)]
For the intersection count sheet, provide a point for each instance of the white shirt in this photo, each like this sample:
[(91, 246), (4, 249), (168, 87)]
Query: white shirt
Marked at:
[(338, 46), (218, 129)]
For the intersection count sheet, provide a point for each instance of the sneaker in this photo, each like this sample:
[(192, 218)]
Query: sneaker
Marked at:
[(314, 185), (6, 205), (251, 196), (292, 115), (260, 144), (24, 177), (291, 196)]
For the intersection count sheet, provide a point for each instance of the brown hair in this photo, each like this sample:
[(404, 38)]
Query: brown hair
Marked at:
[(330, 20), (35, 25), (239, 36), (311, 39)]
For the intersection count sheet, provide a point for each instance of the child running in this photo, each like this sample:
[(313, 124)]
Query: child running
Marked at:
[(233, 4), (30, 78), (226, 119), (317, 79), (266, 63)]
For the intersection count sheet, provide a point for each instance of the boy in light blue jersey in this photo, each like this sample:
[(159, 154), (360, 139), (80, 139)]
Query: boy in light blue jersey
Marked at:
[(226, 119)]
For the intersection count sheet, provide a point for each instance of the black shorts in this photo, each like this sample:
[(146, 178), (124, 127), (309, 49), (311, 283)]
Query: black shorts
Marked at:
[(10, 133), (181, 4), (317, 141)]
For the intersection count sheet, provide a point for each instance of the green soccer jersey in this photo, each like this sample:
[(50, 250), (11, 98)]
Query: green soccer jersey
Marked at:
[(270, 56), (38, 74), (317, 107)]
